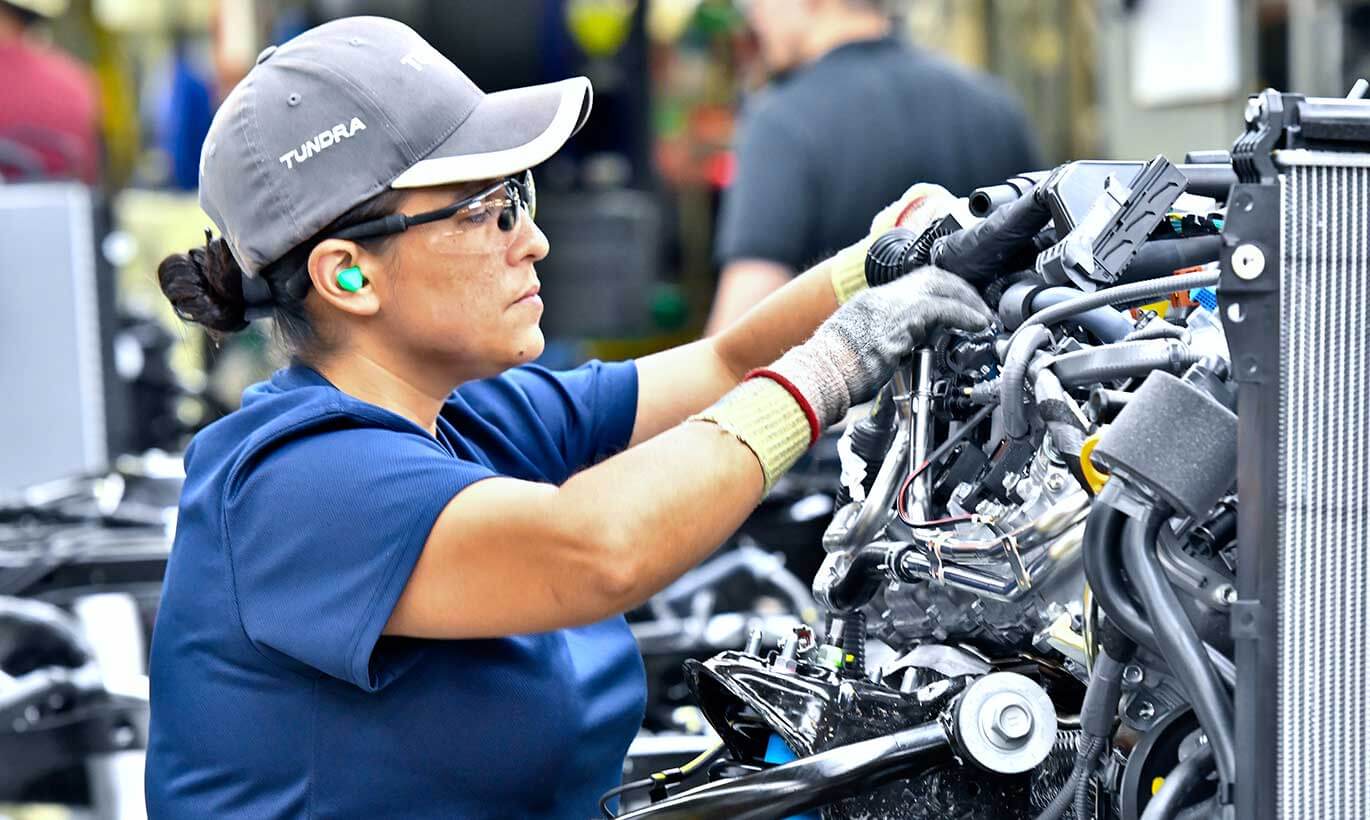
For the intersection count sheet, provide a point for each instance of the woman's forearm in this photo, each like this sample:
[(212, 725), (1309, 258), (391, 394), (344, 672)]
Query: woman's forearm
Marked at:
[(782, 320)]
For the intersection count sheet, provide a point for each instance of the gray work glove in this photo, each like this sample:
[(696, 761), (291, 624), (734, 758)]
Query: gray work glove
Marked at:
[(854, 352)]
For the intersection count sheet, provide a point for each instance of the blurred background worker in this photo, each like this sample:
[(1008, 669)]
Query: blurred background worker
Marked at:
[(852, 111), (48, 105)]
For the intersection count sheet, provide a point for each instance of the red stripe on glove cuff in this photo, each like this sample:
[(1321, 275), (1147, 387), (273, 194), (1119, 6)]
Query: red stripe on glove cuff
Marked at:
[(815, 430)]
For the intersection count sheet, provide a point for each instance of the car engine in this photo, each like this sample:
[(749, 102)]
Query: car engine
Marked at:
[(1031, 572)]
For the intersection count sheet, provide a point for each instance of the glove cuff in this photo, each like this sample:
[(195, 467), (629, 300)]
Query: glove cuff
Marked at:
[(767, 417), (811, 370), (847, 268)]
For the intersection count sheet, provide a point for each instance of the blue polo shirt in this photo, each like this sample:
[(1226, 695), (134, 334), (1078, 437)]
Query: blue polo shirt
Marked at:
[(274, 693)]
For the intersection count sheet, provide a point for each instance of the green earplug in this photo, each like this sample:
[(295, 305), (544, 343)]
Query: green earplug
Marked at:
[(351, 279)]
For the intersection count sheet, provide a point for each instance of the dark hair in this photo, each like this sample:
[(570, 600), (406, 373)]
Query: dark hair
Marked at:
[(205, 284)]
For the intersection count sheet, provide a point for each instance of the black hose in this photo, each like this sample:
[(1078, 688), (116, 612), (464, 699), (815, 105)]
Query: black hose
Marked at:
[(1178, 785), (1123, 360), (1103, 569), (1113, 296), (1204, 810), (1179, 643), (860, 582), (1104, 404), (1012, 378), (985, 201), (1000, 244), (1107, 323), (1162, 257), (1211, 179), (1103, 528)]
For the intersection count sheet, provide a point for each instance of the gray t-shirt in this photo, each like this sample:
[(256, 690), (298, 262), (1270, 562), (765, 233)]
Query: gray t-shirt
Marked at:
[(820, 152)]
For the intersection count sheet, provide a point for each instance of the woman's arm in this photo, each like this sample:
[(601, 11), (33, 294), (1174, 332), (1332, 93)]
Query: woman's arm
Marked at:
[(674, 383), (677, 382), (508, 557)]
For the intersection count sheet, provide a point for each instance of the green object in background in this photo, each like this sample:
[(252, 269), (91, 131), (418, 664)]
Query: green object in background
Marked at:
[(668, 308), (717, 17)]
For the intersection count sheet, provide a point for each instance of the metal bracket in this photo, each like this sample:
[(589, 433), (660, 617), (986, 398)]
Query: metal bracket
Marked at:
[(1248, 616)]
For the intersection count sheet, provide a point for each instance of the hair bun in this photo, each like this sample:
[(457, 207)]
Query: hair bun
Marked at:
[(205, 286)]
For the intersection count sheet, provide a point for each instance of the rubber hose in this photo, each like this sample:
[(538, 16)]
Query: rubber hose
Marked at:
[(1163, 257), (1013, 376), (1179, 643), (861, 581), (1211, 179), (1123, 360), (1187, 774), (1117, 295), (1103, 532), (1106, 322), (1206, 810), (1158, 329), (1105, 690)]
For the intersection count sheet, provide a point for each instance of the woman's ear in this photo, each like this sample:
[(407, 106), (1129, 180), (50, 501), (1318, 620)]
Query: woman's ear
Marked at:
[(333, 268)]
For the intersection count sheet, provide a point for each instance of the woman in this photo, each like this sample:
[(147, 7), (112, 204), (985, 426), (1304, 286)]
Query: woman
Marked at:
[(399, 568)]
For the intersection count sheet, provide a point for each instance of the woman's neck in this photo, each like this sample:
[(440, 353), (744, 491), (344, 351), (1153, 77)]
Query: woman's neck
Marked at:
[(387, 385)]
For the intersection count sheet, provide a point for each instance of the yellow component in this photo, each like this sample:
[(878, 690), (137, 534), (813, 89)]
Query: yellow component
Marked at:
[(1093, 475), (1159, 308), (1066, 640), (1091, 645), (848, 270), (1156, 784), (766, 418)]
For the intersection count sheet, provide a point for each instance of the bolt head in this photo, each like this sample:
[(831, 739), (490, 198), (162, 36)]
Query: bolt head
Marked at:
[(1145, 710), (1133, 674), (1248, 261), (1014, 722)]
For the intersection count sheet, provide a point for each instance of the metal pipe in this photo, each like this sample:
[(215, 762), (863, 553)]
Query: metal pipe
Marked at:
[(807, 783), (922, 429), (877, 510)]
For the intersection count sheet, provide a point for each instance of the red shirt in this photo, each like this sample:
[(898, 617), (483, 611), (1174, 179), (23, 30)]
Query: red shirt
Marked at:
[(48, 113)]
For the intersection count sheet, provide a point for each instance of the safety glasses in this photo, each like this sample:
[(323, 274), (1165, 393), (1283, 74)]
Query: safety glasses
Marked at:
[(500, 202)]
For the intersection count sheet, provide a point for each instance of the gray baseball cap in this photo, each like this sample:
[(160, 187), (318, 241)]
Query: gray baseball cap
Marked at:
[(350, 108)]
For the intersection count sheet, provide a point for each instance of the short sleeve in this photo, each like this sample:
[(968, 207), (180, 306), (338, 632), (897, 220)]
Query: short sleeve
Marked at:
[(563, 421), (323, 531), (767, 211)]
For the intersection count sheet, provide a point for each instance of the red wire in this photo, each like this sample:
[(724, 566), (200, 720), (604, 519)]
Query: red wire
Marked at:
[(902, 507)]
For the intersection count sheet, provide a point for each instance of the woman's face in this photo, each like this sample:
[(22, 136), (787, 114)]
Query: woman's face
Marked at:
[(460, 291)]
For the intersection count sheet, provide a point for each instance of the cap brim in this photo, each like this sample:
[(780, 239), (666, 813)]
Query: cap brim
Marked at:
[(509, 131)]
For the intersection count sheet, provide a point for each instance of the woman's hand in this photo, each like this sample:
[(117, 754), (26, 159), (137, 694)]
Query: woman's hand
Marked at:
[(855, 351)]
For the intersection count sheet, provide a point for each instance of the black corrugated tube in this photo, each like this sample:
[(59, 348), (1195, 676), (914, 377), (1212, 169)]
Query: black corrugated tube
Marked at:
[(1012, 378), (854, 644)]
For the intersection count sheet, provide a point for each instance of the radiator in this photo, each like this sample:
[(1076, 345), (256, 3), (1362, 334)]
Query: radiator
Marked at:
[(1295, 298), (1322, 622)]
